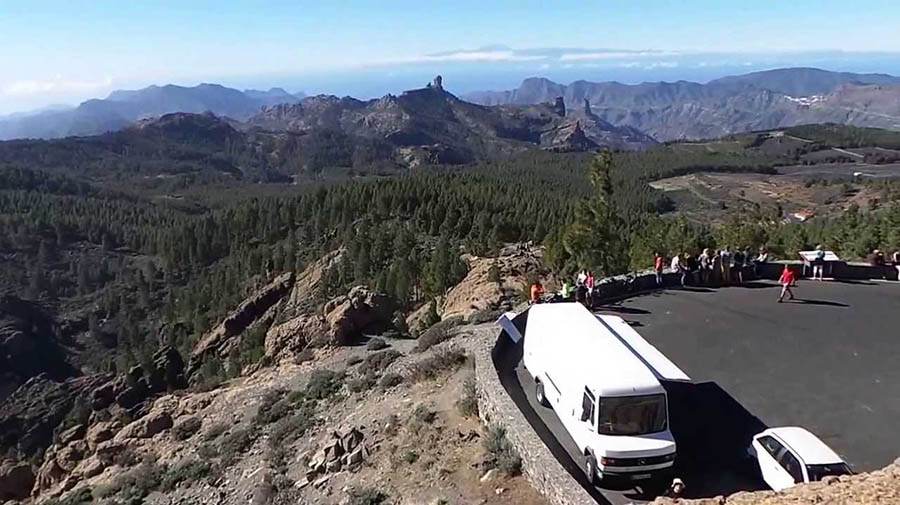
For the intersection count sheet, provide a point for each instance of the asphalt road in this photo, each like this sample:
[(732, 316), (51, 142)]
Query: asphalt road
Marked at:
[(828, 362)]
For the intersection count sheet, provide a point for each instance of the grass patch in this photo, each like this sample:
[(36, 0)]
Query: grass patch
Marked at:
[(390, 380), (185, 429), (376, 344), (192, 470), (501, 454), (377, 362), (135, 485), (410, 456), (214, 432), (235, 444), (366, 496), (362, 383), (82, 496), (438, 333), (323, 384), (468, 401), (421, 416), (441, 361)]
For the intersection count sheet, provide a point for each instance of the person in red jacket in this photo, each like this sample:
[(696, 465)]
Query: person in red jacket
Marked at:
[(787, 280), (537, 291), (658, 263)]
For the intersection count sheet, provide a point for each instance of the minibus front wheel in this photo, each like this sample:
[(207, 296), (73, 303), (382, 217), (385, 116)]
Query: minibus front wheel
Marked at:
[(539, 394), (590, 468)]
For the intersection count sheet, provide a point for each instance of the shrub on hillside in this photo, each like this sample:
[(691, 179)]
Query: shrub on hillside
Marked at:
[(376, 344), (186, 428), (390, 380), (375, 363), (438, 333), (468, 402), (441, 361), (366, 496), (501, 454), (323, 383)]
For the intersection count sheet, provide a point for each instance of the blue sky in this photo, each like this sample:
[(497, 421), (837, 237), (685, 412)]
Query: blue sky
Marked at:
[(66, 51)]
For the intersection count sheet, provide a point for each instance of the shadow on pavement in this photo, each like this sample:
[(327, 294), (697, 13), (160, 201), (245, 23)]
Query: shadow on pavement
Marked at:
[(619, 309), (712, 431), (817, 302)]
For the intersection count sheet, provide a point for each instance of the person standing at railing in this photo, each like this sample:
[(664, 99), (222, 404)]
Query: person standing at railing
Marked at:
[(896, 259), (658, 265)]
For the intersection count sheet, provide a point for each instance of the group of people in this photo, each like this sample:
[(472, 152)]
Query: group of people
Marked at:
[(876, 258), (583, 290), (720, 267)]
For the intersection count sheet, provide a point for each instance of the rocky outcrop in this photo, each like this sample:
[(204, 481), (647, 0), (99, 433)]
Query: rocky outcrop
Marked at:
[(28, 345), (221, 339), (346, 319), (29, 417), (146, 427), (878, 487), (481, 291), (559, 107), (16, 480), (342, 450), (285, 340), (362, 310)]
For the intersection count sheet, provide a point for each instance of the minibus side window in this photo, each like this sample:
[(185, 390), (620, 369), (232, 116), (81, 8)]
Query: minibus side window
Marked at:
[(587, 407)]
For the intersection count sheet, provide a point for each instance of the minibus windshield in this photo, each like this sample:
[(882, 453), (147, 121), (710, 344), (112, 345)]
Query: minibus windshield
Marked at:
[(632, 415)]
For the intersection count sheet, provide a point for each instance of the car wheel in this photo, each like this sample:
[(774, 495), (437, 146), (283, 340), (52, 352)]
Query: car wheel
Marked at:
[(590, 469), (539, 394)]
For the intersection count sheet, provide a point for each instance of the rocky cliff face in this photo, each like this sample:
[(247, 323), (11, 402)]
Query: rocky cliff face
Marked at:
[(29, 345)]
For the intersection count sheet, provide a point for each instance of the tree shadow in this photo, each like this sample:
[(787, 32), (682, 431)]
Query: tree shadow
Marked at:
[(818, 302), (851, 281), (691, 289)]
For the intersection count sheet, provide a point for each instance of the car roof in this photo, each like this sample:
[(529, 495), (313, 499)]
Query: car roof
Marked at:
[(806, 445)]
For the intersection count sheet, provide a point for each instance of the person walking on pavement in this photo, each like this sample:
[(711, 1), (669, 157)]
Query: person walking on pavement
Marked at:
[(787, 281), (658, 265)]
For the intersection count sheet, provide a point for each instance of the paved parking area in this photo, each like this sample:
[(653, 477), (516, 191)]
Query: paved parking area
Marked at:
[(829, 361)]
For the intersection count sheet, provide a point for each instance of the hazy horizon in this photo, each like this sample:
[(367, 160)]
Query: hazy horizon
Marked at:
[(60, 53)]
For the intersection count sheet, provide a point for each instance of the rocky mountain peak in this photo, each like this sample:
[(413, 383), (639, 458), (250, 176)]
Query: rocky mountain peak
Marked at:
[(559, 106), (436, 83)]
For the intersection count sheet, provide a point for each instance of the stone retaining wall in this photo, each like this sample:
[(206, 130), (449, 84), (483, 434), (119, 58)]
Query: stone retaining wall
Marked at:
[(495, 407)]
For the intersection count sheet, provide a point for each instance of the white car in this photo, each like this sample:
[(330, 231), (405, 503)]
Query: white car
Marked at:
[(791, 455)]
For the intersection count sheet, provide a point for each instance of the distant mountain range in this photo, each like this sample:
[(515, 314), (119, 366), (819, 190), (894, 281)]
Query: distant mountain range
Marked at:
[(122, 108), (756, 101), (424, 126)]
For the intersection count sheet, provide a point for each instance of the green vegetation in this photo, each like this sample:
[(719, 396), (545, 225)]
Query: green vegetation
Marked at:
[(367, 496), (500, 452), (138, 264)]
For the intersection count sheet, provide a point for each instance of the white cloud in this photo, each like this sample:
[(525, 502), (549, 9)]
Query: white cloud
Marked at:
[(57, 85), (609, 55), (468, 56)]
